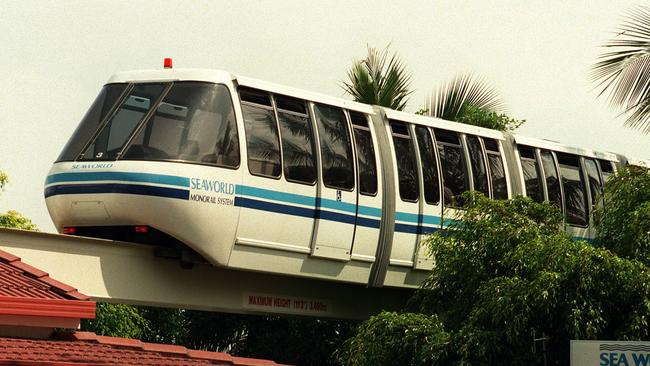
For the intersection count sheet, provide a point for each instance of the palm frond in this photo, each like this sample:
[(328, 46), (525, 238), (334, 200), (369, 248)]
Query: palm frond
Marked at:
[(448, 101), (624, 70), (373, 80)]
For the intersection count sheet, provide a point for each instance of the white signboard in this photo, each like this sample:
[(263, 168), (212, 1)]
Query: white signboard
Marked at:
[(610, 353)]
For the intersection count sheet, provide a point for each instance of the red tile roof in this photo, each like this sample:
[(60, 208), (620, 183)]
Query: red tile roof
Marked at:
[(19, 279), (29, 297), (85, 348), (28, 291)]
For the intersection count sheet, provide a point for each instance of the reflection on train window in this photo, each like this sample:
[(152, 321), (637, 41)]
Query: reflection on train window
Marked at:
[(405, 159), (297, 140), (595, 185), (477, 163), (366, 165), (552, 178), (530, 167), (124, 120), (195, 122), (262, 141), (90, 122), (454, 171), (575, 196), (335, 147), (606, 169), (429, 165), (497, 169)]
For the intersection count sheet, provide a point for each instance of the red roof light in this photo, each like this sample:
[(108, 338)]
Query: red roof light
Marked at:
[(167, 63)]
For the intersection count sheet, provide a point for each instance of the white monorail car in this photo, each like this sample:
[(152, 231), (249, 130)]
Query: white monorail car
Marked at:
[(261, 177)]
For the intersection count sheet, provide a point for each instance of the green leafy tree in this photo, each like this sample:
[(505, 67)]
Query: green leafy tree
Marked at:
[(623, 69), (396, 339), (505, 268), (117, 320), (11, 218), (623, 222), (379, 80), (476, 116)]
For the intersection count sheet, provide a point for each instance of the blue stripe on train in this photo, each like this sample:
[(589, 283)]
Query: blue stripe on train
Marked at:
[(256, 192), (118, 188), (304, 212), (171, 180), (414, 229)]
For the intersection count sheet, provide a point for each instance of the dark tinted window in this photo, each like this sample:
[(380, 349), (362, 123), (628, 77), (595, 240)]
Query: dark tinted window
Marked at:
[(123, 122), (595, 186), (195, 122), (496, 168), (297, 141), (405, 158), (552, 178), (90, 122), (336, 148), (574, 189), (262, 142), (429, 165), (367, 167), (530, 168), (477, 162), (452, 163)]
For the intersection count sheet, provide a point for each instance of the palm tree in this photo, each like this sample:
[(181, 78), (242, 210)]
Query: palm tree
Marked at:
[(374, 81), (624, 69), (452, 100)]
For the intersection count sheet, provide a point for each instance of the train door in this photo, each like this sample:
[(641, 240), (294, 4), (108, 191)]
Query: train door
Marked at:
[(337, 196), (278, 194), (430, 187), (455, 174), (370, 193), (407, 203)]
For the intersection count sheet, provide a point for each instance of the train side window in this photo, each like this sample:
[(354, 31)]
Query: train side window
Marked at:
[(262, 140), (595, 185), (496, 169), (195, 122), (552, 178), (532, 176), (405, 159), (335, 147), (429, 165), (297, 140), (366, 164), (477, 163), (123, 122), (452, 162), (606, 169), (573, 184), (102, 105)]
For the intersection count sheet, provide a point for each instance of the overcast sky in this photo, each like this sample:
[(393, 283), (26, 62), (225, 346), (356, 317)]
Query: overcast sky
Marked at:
[(55, 57)]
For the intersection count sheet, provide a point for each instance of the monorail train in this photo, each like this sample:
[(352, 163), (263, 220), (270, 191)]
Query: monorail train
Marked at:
[(256, 176)]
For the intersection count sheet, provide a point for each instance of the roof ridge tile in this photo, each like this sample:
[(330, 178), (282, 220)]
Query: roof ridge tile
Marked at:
[(166, 348), (8, 257)]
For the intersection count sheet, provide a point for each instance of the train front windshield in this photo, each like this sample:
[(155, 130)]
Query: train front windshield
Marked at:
[(182, 121)]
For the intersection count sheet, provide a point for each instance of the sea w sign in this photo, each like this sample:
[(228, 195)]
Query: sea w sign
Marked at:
[(610, 353)]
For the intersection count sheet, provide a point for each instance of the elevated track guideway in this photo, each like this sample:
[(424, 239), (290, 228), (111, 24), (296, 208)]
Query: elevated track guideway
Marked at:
[(130, 273)]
